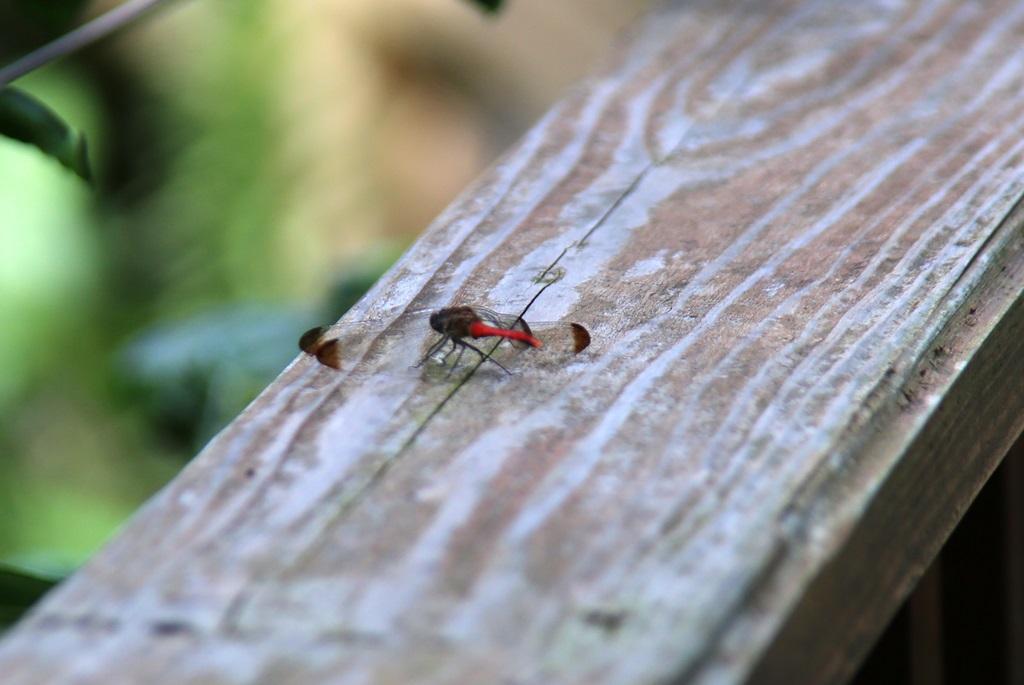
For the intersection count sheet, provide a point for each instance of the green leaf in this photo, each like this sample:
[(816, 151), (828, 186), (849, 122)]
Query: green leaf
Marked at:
[(24, 118), (194, 375), (19, 590), (488, 5), (52, 14)]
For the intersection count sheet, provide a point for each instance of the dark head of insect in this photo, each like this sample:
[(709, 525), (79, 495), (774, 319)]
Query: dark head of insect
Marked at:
[(454, 322)]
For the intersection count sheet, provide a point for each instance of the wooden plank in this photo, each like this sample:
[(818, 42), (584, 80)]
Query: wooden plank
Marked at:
[(957, 624), (793, 229)]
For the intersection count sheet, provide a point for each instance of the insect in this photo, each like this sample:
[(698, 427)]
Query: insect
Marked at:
[(457, 325)]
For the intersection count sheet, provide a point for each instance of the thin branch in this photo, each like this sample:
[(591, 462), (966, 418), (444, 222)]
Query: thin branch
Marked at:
[(100, 27)]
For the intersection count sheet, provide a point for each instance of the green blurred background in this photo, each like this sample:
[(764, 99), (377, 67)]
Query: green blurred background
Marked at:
[(259, 165)]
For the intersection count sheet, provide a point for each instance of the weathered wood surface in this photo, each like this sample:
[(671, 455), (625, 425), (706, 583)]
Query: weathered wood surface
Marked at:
[(793, 229)]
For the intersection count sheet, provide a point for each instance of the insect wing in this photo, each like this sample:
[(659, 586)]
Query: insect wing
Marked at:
[(569, 336), (500, 320), (317, 342), (510, 322), (562, 336)]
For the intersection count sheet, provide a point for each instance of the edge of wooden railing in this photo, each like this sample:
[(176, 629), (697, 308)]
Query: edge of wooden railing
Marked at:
[(928, 460)]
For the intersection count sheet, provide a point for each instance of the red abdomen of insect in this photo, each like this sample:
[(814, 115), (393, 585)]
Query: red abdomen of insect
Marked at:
[(478, 329)]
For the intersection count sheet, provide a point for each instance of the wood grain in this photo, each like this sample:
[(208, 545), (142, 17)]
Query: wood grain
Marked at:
[(794, 231)]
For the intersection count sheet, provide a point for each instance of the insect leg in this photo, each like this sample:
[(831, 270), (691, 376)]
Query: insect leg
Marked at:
[(434, 349), (458, 358), (447, 354), (484, 356)]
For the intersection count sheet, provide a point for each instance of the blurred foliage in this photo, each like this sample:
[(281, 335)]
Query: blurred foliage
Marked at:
[(50, 266), (144, 314), (19, 590), (24, 118), (28, 120), (52, 15), (28, 24), (489, 5), (50, 257), (124, 347), (195, 375)]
